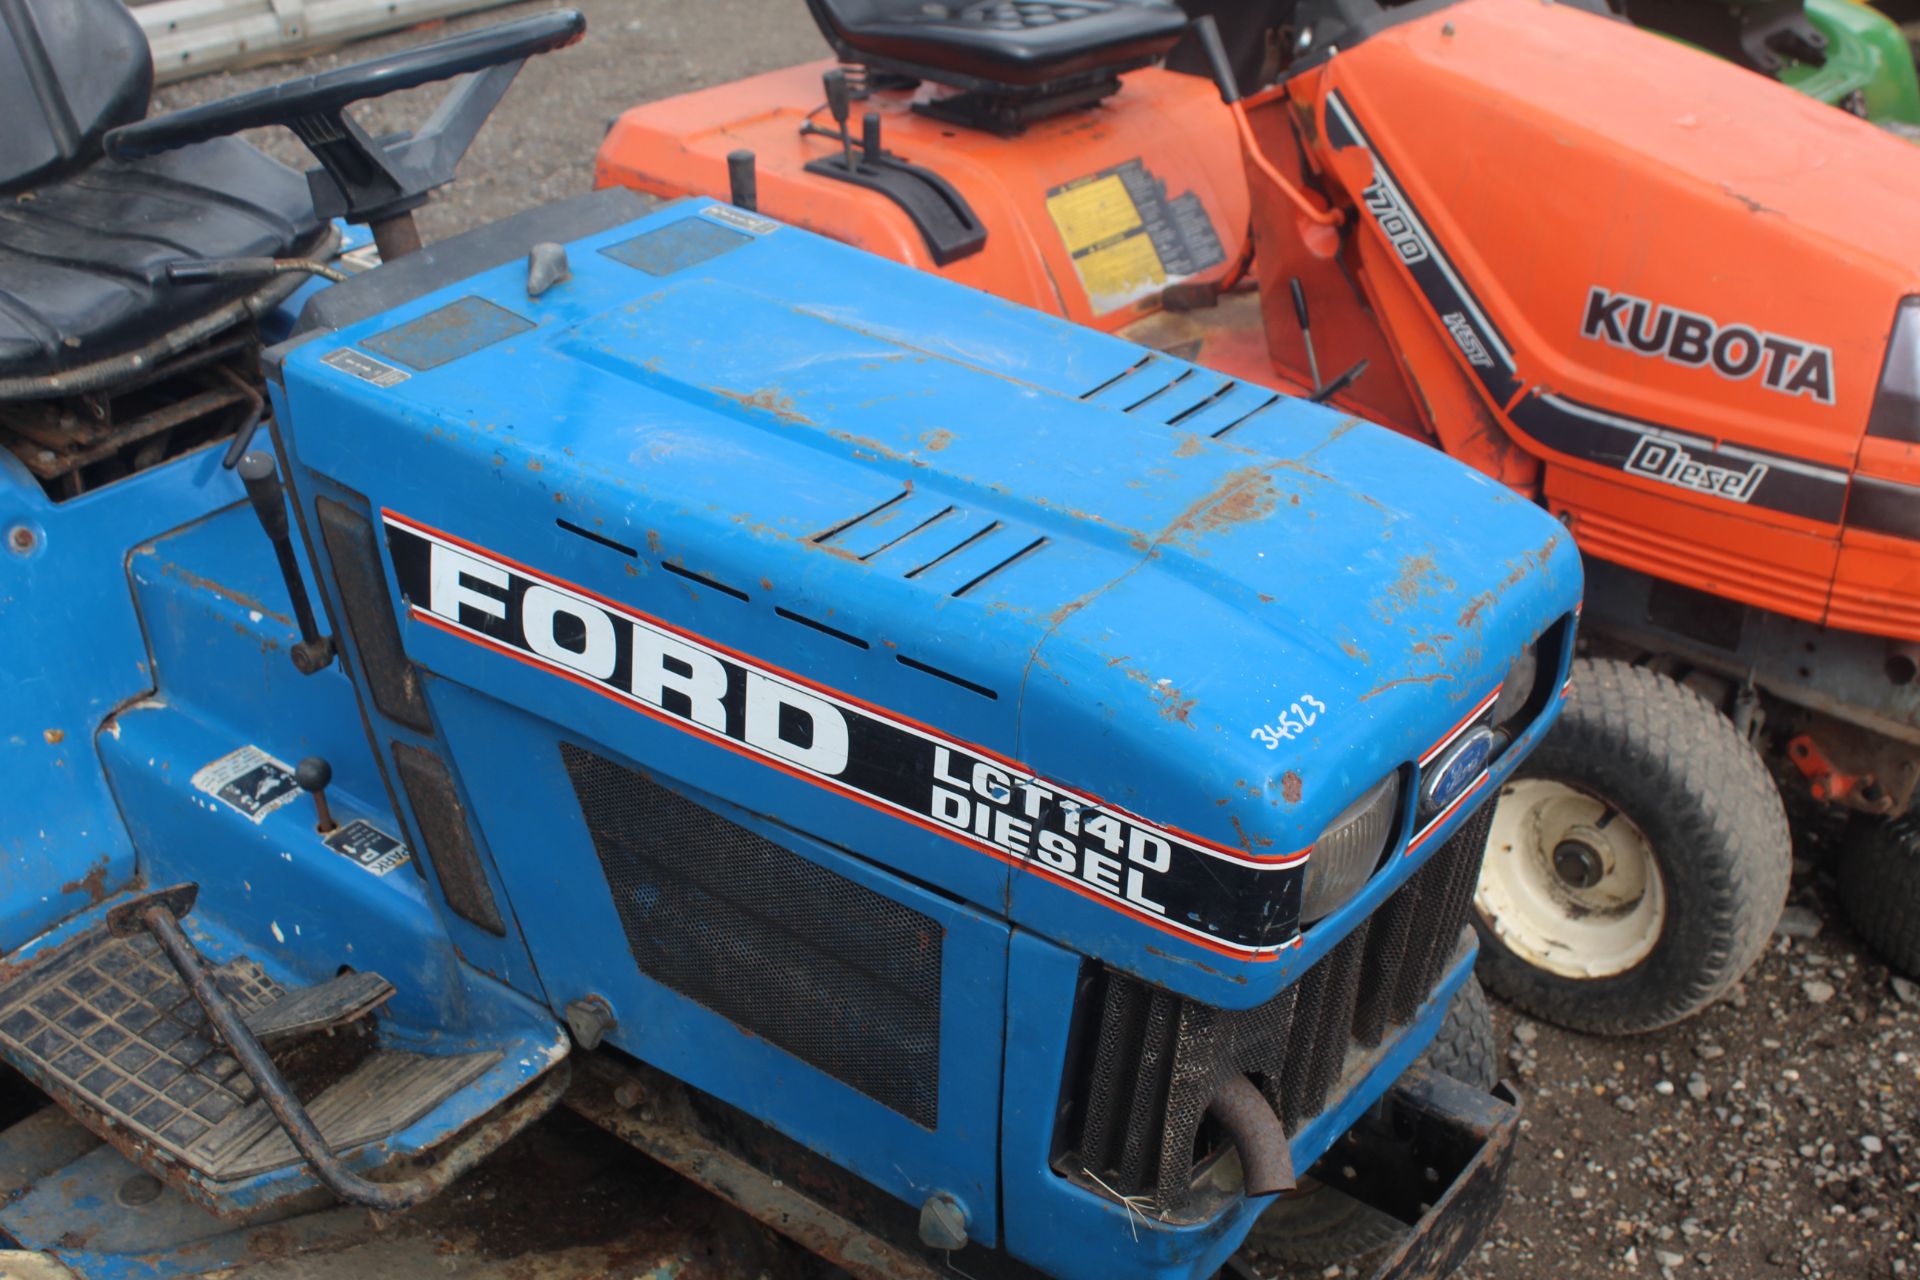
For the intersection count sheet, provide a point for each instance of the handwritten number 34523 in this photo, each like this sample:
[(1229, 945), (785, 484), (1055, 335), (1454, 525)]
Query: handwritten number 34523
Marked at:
[(1292, 723)]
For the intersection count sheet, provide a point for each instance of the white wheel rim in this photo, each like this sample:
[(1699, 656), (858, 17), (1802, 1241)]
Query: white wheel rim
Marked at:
[(1593, 911)]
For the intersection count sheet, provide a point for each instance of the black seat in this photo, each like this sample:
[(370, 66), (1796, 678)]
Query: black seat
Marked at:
[(85, 241), (1000, 47)]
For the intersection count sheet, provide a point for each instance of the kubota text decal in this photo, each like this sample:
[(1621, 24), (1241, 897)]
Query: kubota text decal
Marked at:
[(1229, 900), (1734, 351)]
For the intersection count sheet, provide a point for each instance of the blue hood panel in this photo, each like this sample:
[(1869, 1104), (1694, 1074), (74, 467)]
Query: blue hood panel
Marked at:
[(1111, 588)]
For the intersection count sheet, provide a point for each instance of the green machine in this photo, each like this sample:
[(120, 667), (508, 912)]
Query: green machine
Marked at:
[(1842, 53)]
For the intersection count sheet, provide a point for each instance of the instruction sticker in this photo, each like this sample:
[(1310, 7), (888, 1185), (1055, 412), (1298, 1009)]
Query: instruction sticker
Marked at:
[(249, 781), (740, 219), (367, 845), (365, 367), (1127, 239)]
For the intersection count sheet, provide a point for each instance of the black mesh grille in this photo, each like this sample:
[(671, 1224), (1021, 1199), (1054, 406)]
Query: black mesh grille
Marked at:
[(1155, 1060), (841, 977)]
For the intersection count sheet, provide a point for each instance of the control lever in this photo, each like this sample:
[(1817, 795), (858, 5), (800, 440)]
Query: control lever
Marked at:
[(1306, 331), (870, 151), (312, 775), (1223, 80), (1323, 394), (269, 501), (839, 104), (743, 183)]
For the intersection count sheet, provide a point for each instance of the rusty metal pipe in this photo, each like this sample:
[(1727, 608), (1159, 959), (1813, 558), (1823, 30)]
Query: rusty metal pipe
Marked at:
[(385, 1197), (397, 236), (1266, 1160)]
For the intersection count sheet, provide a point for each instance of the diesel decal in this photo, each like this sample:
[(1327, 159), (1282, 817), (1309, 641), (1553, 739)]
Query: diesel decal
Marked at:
[(1228, 900), (1664, 460), (1735, 351), (1657, 452)]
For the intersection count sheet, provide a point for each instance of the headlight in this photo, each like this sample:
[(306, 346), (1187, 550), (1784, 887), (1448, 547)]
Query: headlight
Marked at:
[(1896, 404), (1517, 691), (1349, 849)]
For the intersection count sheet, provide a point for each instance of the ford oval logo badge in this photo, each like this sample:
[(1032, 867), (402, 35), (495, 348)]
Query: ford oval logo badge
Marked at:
[(1465, 761)]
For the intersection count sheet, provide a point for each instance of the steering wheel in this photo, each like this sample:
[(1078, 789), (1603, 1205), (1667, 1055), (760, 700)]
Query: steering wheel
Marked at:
[(363, 179)]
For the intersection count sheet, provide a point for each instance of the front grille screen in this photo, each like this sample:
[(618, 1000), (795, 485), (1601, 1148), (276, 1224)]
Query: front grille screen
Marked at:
[(843, 978), (1154, 1060)]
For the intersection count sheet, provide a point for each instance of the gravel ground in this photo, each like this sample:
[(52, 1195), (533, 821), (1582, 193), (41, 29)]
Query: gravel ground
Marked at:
[(1778, 1134)]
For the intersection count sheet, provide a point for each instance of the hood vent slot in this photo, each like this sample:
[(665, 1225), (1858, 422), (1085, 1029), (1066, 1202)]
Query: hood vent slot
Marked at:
[(591, 536), (1181, 395), (838, 529), (948, 676), (703, 580), (822, 627)]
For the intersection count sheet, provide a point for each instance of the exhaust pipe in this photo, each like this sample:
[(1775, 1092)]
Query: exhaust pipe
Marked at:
[(1256, 1132)]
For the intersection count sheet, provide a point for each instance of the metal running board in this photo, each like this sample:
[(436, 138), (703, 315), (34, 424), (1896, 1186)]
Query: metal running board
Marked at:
[(309, 1009), (382, 1096), (107, 1025)]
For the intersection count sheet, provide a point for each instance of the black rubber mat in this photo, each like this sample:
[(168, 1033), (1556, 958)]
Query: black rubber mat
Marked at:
[(107, 1019), (108, 1023)]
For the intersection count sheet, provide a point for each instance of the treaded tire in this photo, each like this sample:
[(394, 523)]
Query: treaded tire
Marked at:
[(1322, 1225), (1880, 888), (1716, 827), (1464, 1048), (1319, 1226)]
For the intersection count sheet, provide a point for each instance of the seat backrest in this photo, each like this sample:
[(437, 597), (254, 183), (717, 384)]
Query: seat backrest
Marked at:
[(69, 71), (999, 45)]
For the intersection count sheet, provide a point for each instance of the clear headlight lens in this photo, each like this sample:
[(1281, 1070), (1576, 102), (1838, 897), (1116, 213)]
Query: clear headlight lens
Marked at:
[(1345, 855), (1517, 690), (1896, 405)]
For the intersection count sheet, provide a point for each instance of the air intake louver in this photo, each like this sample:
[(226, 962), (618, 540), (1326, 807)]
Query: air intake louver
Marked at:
[(1154, 1060)]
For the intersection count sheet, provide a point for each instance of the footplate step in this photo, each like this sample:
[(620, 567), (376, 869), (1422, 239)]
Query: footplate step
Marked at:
[(108, 1024)]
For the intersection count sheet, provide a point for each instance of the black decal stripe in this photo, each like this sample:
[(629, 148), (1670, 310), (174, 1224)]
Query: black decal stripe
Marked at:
[(1583, 431), (1435, 276), (1230, 901), (1884, 506)]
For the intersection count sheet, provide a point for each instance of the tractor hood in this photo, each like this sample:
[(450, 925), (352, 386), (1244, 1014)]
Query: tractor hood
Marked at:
[(923, 574), (1646, 239)]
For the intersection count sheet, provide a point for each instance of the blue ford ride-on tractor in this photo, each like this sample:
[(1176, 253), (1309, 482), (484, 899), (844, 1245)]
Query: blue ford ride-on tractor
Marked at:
[(965, 788)]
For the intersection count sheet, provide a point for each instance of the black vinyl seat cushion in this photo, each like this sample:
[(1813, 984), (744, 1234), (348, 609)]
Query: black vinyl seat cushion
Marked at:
[(83, 258), (987, 44)]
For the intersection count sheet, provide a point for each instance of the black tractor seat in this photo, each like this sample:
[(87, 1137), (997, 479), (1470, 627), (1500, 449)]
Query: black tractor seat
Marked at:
[(1002, 48), (85, 241)]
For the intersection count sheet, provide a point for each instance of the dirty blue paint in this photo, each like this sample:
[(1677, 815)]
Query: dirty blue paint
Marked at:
[(457, 329), (678, 245), (1126, 574)]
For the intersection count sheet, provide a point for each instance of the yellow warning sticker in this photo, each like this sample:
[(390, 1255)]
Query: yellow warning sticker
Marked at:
[(1115, 274), (1127, 240), (1093, 210)]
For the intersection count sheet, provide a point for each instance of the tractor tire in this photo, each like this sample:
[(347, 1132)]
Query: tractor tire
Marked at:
[(1464, 1047), (1880, 888), (1638, 860), (1318, 1225)]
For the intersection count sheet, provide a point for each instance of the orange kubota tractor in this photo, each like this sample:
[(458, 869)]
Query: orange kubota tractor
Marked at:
[(1674, 302)]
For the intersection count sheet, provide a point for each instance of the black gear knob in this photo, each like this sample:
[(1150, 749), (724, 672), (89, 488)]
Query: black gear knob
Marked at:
[(312, 776)]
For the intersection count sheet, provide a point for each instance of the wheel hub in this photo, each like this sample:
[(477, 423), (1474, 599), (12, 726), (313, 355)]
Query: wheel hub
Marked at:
[(1570, 883), (1578, 864)]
